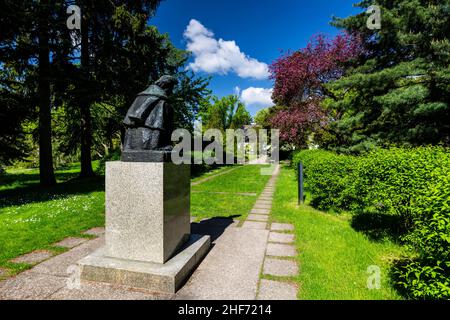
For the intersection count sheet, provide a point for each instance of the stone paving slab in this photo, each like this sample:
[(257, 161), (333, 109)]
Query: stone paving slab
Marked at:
[(281, 237), (70, 242), (263, 203), (281, 250), (58, 265), (264, 198), (95, 232), (282, 227), (213, 227), (103, 291), (254, 225), (267, 195), (262, 206), (231, 269), (276, 290), (258, 217), (30, 286), (260, 211), (280, 268), (33, 257)]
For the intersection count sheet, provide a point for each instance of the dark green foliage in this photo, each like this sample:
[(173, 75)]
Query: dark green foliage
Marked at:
[(399, 92), (91, 77), (12, 135), (428, 276), (225, 113), (112, 156), (328, 177), (392, 179)]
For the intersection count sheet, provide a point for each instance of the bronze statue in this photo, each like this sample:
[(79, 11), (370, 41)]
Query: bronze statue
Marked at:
[(149, 123)]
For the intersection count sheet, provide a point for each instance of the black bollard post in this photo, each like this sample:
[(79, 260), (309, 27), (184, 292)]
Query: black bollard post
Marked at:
[(300, 183)]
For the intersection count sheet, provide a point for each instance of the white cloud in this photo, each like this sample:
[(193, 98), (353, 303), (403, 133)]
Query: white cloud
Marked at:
[(220, 56), (257, 96)]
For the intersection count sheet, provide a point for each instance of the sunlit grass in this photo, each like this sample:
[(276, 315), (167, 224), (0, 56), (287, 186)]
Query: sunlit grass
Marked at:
[(230, 194), (333, 257), (245, 179)]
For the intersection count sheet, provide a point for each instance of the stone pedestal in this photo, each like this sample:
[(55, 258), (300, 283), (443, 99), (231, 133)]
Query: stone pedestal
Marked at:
[(148, 241)]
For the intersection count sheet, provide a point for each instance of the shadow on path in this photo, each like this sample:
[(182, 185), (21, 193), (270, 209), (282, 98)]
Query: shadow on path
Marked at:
[(213, 227)]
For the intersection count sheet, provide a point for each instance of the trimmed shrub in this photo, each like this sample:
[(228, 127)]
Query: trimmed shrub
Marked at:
[(428, 276), (329, 178), (390, 180), (412, 185)]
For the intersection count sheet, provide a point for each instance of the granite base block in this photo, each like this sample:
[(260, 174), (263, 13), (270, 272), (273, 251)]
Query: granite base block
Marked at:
[(147, 210), (164, 278)]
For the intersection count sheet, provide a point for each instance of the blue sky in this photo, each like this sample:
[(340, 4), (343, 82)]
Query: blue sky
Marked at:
[(252, 31)]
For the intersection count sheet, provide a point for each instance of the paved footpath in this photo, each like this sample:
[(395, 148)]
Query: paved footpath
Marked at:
[(231, 270)]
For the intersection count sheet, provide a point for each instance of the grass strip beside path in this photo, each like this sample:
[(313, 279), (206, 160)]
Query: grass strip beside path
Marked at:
[(224, 195), (333, 257)]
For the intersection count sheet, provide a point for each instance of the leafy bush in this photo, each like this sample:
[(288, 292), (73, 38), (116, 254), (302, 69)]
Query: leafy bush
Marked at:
[(329, 178), (412, 185), (428, 276), (393, 178)]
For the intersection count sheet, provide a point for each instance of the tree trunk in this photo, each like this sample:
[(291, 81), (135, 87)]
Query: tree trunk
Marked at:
[(85, 111), (46, 172)]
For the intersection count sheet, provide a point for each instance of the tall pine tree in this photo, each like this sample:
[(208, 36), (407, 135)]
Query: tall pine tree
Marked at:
[(399, 92)]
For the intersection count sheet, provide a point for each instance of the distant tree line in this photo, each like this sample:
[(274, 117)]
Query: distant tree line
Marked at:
[(69, 89), (367, 88)]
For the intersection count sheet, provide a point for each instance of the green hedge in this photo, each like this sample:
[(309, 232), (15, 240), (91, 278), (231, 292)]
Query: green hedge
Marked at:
[(412, 184), (328, 177), (392, 179), (428, 276)]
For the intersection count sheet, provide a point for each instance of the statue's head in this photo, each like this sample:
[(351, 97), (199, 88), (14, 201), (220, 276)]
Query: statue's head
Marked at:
[(167, 83)]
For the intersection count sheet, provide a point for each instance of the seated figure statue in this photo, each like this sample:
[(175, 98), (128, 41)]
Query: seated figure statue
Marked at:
[(149, 122)]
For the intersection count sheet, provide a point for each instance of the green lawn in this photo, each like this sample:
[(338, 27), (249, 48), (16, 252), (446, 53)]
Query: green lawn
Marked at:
[(213, 172), (33, 218), (230, 194), (333, 257)]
